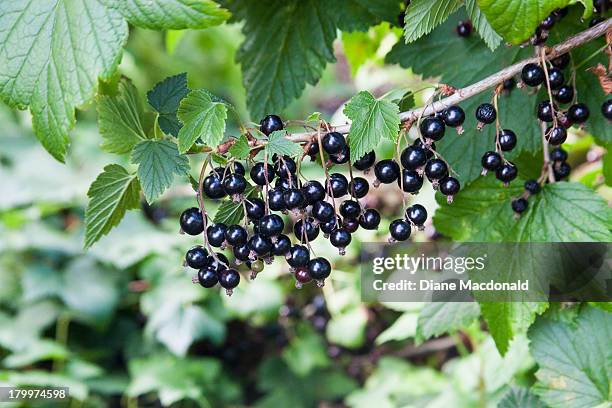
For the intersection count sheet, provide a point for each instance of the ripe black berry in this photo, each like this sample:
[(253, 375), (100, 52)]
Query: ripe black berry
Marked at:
[(386, 171), (275, 200), (285, 167), (207, 277), (328, 226), (370, 219), (606, 109), (449, 186), (281, 246), (464, 28), (413, 157), (578, 113), (546, 111), (506, 172), (507, 140), (435, 169), (519, 205), (294, 198), (558, 155), (564, 94), (213, 187), (350, 209), (342, 157), (305, 230), (350, 224), (411, 181), (216, 234), (234, 184), (359, 187), (255, 208), (340, 238), (562, 170), (509, 84), (191, 221), (298, 256), (561, 61), (229, 279), (338, 185), (365, 162), (313, 191), (322, 211), (196, 257), (532, 74), (218, 265), (271, 225), (454, 116), (333, 142), (428, 148), (260, 244), (258, 173), (491, 161), (399, 230), (319, 268), (416, 214), (555, 136), (301, 277), (270, 124), (548, 22), (596, 20), (236, 235), (532, 186), (432, 128), (555, 78), (485, 114), (242, 252)]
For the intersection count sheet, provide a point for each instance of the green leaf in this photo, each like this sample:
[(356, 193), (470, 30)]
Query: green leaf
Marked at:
[(165, 98), (359, 15), (486, 32), (520, 397), (120, 119), (241, 149), (203, 118), (38, 351), (158, 161), (45, 379), (403, 328), (170, 14), (112, 193), (51, 54), (438, 318), (306, 352), (273, 73), (481, 213), (279, 144), (230, 212), (422, 16), (516, 20), (574, 360), (372, 119), (347, 329)]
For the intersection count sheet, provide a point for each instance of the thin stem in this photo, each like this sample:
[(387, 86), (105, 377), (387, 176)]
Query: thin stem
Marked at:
[(547, 167), (550, 98), (200, 200)]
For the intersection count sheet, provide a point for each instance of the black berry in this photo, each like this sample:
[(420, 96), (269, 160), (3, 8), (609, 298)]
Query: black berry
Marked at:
[(192, 222), (435, 169), (606, 109), (271, 225), (509, 84), (491, 161), (260, 244), (411, 181), (196, 257), (281, 246), (565, 94), (386, 171), (242, 252), (399, 230), (342, 157), (562, 170), (305, 230), (216, 234), (298, 256), (275, 200), (213, 187), (578, 113), (558, 155), (548, 22), (258, 173), (319, 268), (555, 78), (449, 186), (294, 199), (416, 214), (340, 238), (350, 209), (234, 184), (207, 277), (236, 235), (432, 128), (506, 172), (556, 135), (519, 205), (464, 28), (285, 167), (313, 191), (350, 224), (370, 219), (485, 114), (255, 208), (507, 140), (365, 162), (413, 157), (333, 142), (229, 279), (359, 187), (453, 116), (545, 111), (270, 124), (338, 185), (532, 74), (532, 186), (323, 211), (561, 61)]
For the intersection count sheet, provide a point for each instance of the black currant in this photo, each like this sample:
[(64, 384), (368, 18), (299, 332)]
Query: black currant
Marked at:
[(218, 264), (416, 214), (338, 184), (236, 235), (298, 256), (491, 161), (275, 200), (596, 20), (449, 186), (506, 172), (294, 199), (286, 183), (313, 191), (333, 142), (234, 184), (546, 111), (323, 211), (285, 167), (562, 170), (435, 169), (370, 219), (454, 116), (606, 109), (561, 61), (548, 22), (578, 113), (319, 268), (271, 225), (556, 135), (558, 155), (432, 128), (281, 246), (532, 74), (258, 173), (260, 244), (207, 277), (350, 224), (532, 186), (270, 124), (519, 205), (216, 234), (350, 209), (196, 257), (242, 252), (342, 157), (539, 37), (507, 140), (413, 157), (399, 230), (428, 148), (411, 181), (255, 208), (305, 230), (328, 226), (565, 94), (365, 162), (213, 187), (340, 238), (229, 279), (509, 84), (386, 171), (464, 28), (191, 221), (313, 150), (485, 114), (359, 187), (301, 277), (555, 78)]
